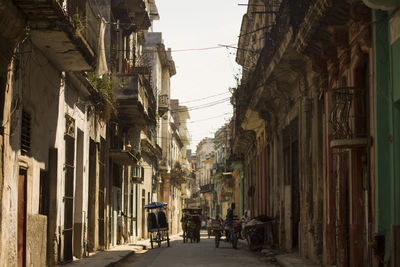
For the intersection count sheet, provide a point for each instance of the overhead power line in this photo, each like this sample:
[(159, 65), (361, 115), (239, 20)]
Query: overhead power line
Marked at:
[(239, 48), (207, 97), (206, 105), (197, 49), (206, 119)]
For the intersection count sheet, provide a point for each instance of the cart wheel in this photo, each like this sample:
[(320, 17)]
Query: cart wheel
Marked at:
[(167, 239), (151, 240)]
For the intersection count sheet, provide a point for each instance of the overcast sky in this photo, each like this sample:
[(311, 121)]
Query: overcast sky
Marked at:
[(190, 24)]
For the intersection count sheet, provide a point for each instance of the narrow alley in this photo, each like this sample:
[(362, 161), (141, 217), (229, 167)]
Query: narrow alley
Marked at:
[(131, 128), (199, 254)]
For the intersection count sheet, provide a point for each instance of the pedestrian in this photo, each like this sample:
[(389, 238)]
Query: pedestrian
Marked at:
[(229, 221), (209, 222), (120, 222)]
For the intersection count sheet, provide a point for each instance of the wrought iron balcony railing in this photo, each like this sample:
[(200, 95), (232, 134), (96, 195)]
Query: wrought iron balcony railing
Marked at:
[(348, 117), (163, 104), (206, 188), (131, 98), (66, 31)]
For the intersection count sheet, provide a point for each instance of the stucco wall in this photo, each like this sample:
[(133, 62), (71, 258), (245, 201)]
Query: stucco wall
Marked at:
[(36, 240)]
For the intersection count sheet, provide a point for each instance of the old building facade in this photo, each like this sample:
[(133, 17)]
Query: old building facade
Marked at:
[(81, 110), (303, 125)]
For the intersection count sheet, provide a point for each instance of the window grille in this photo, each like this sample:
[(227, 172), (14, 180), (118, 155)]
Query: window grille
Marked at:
[(25, 133)]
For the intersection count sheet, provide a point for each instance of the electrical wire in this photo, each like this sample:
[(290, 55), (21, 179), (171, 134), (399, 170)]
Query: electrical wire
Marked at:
[(206, 119), (185, 108), (196, 49), (207, 105), (199, 99)]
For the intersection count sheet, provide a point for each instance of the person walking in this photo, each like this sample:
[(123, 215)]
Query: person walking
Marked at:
[(209, 222)]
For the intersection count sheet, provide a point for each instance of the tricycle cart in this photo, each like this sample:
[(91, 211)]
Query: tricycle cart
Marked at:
[(191, 223), (233, 230), (157, 223), (260, 231)]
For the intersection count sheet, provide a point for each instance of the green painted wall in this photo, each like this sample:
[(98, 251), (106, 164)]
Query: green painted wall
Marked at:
[(387, 131), (395, 183)]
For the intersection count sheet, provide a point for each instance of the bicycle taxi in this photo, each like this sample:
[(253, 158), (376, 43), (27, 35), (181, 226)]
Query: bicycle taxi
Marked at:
[(157, 224)]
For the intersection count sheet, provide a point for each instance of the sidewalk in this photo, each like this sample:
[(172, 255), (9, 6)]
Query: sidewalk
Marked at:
[(284, 259), (116, 254), (293, 260)]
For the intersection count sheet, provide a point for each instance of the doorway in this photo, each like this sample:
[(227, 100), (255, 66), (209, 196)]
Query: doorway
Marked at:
[(91, 242), (101, 206), (68, 198), (79, 219), (143, 212), (292, 183), (22, 203)]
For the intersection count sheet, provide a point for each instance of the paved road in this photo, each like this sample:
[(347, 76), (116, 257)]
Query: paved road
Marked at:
[(195, 254)]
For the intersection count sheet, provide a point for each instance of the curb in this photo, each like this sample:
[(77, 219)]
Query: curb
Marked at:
[(296, 261)]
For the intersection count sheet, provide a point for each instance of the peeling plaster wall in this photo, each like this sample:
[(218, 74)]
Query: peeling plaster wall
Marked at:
[(36, 91), (40, 90), (8, 249)]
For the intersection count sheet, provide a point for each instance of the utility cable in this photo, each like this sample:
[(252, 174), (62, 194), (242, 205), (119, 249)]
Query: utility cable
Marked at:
[(206, 105), (199, 99)]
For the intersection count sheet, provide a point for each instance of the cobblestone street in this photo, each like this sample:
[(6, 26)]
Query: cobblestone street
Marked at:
[(203, 253)]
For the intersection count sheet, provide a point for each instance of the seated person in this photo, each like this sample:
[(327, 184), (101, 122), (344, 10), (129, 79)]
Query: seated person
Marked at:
[(162, 219), (151, 221)]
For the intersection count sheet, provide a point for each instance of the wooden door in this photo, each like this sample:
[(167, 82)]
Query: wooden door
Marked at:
[(22, 218), (68, 198)]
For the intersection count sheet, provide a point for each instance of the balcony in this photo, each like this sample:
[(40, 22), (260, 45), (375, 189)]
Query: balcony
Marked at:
[(137, 175), (163, 104), (137, 179), (348, 117), (131, 98), (65, 31), (124, 157), (219, 167), (150, 147), (206, 188), (133, 12)]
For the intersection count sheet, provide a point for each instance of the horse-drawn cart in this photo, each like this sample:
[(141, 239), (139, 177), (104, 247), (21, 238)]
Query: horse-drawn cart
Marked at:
[(191, 224), (157, 223)]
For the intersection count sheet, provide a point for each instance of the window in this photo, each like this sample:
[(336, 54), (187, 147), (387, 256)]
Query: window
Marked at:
[(25, 133)]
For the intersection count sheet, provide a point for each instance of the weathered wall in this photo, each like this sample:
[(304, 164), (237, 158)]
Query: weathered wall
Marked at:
[(32, 84), (36, 240)]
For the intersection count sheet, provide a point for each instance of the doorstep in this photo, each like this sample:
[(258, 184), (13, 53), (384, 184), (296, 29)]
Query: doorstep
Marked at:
[(294, 260)]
